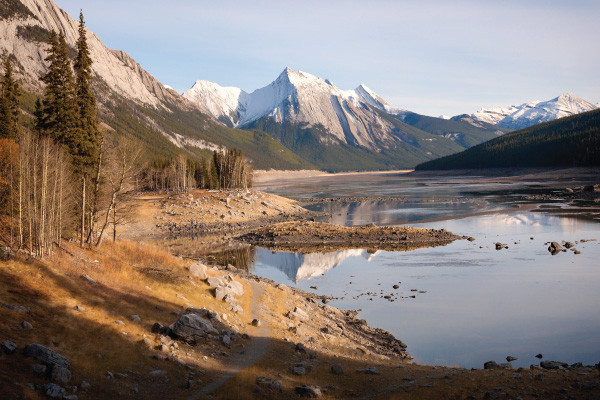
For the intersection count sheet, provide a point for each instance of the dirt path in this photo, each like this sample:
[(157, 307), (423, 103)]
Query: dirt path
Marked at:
[(256, 349)]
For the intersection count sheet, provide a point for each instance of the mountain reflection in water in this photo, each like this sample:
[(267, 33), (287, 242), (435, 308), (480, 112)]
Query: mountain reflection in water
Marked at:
[(298, 266)]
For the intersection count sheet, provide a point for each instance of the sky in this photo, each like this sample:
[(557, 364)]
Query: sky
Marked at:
[(429, 56)]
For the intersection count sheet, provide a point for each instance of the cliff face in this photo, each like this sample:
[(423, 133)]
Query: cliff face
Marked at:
[(23, 35)]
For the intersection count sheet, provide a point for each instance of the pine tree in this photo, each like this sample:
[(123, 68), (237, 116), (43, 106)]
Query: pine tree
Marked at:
[(58, 120), (88, 153), (9, 103)]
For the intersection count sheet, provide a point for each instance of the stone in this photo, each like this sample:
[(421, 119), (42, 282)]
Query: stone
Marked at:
[(39, 369), (135, 318), (226, 340), (85, 386), (78, 308), (300, 347), (89, 279), (157, 327), (53, 391), (46, 356), (157, 373), (299, 371), (369, 371), (15, 308), (491, 395), (506, 365), (491, 365), (198, 270), (308, 391), (298, 314), (337, 369), (8, 347), (568, 245), (499, 246), (539, 355), (215, 282), (191, 327), (511, 358), (554, 248), (471, 239), (26, 325), (396, 286), (268, 383), (147, 342), (553, 364), (255, 322), (60, 374), (119, 322)]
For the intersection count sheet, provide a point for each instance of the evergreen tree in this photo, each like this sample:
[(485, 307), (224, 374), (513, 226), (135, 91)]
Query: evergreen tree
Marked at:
[(58, 120), (9, 103), (88, 154), (87, 134)]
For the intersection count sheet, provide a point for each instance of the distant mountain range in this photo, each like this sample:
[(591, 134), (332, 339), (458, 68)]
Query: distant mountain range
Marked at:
[(569, 141), (529, 114), (337, 129), (297, 121)]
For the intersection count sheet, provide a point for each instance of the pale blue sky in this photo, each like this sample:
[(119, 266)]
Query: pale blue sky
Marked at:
[(429, 56)]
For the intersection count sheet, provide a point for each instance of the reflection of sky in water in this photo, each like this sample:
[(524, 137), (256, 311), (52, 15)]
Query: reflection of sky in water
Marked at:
[(481, 304)]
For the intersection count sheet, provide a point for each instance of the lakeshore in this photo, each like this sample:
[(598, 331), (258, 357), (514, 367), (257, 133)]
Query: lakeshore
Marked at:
[(271, 338)]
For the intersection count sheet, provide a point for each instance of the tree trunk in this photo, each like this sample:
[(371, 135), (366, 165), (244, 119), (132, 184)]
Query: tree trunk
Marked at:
[(82, 210)]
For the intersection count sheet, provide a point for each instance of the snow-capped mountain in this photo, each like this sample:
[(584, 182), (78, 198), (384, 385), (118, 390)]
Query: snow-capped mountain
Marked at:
[(528, 114), (299, 97)]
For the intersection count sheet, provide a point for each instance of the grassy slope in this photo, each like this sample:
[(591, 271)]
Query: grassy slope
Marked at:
[(570, 141)]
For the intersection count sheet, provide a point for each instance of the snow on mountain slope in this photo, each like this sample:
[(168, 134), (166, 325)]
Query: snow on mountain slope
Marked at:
[(299, 97), (116, 69), (535, 112), (220, 102), (563, 106)]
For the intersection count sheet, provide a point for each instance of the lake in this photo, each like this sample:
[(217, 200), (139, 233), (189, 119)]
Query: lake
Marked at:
[(464, 303)]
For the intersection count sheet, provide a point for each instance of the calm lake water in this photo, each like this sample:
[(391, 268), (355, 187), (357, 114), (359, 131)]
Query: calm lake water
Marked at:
[(464, 303)]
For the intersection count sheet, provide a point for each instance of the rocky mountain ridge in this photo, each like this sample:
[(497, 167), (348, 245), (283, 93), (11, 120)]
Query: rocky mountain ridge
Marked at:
[(532, 113)]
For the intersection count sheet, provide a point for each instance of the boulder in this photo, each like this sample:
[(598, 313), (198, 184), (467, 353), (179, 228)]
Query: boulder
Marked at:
[(198, 270), (191, 327), (61, 374), (268, 383), (298, 314), (553, 364), (255, 322), (45, 355), (8, 347), (53, 391), (554, 248), (308, 391), (215, 282), (26, 325), (491, 365), (337, 369), (299, 371)]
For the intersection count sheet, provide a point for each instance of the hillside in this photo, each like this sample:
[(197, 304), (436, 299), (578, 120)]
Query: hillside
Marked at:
[(570, 141)]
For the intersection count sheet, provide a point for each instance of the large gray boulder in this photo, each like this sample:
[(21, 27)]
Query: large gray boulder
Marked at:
[(191, 327), (45, 355), (553, 364), (198, 270)]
